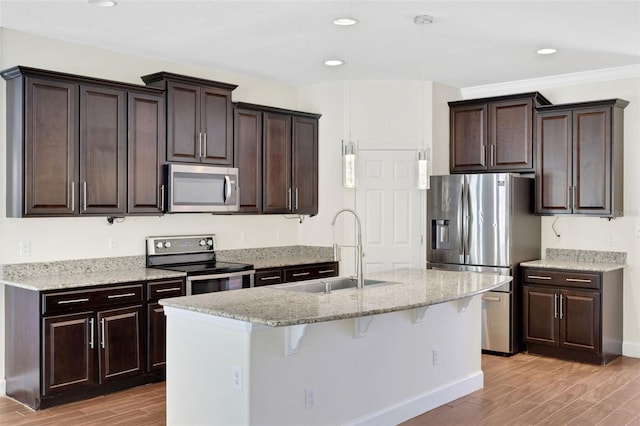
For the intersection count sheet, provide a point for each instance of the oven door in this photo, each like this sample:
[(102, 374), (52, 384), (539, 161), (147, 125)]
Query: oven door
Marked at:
[(198, 284)]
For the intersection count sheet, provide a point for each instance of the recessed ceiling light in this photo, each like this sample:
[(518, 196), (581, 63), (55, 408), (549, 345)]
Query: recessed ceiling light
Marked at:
[(103, 3), (345, 22), (333, 62), (547, 51), (423, 19)]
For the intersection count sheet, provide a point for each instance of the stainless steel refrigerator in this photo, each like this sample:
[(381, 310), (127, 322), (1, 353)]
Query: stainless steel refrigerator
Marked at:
[(485, 223)]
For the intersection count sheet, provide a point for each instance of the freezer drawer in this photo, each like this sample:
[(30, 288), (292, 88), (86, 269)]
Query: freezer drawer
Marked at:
[(496, 321)]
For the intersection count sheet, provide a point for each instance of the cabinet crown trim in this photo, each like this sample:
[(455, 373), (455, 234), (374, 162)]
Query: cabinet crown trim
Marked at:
[(266, 108), (158, 79), (537, 96), (616, 102)]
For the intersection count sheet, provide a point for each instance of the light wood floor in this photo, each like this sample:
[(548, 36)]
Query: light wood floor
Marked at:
[(520, 390)]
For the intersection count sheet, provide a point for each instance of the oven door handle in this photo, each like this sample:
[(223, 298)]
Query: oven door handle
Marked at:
[(217, 276)]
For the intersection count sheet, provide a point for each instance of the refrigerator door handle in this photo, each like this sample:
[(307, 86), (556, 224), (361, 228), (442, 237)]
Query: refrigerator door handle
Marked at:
[(462, 223), (467, 219)]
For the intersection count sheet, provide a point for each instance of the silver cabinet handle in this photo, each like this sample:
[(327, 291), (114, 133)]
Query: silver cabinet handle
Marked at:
[(484, 155), (326, 271), (204, 145), (102, 333), (569, 200), (301, 274), (161, 198), (538, 277), (117, 296), (577, 280), (199, 142), (555, 306), (561, 314), (274, 277), (84, 197), (91, 335), (296, 198), (64, 302), (164, 290), (491, 298), (492, 155), (573, 198), (73, 196), (289, 206)]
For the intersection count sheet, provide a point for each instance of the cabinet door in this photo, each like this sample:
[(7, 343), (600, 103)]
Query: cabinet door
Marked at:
[(51, 148), (157, 328), (267, 276), (121, 343), (592, 161), (511, 135), (183, 122), (68, 351), (580, 320), (554, 169), (145, 145), (216, 120), (468, 138), (276, 148), (103, 156), (540, 315), (248, 158), (305, 165)]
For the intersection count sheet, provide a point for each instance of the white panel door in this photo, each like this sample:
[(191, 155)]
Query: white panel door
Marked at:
[(391, 209)]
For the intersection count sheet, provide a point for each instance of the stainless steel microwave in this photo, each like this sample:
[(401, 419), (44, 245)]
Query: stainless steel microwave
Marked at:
[(196, 188)]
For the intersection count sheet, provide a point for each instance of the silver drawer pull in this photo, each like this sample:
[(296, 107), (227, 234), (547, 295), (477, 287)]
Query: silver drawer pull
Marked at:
[(577, 280), (326, 271), (117, 296), (275, 277), (491, 298), (64, 302), (164, 290), (538, 277), (301, 274)]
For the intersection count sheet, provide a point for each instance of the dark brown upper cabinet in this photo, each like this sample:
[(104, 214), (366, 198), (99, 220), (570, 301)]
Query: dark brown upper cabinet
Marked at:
[(580, 158), (146, 152), (67, 144), (199, 118), (493, 134), (287, 147), (247, 145)]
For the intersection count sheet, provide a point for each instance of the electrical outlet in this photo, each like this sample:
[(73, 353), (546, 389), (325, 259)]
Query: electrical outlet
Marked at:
[(310, 397), (25, 248), (637, 231), (436, 357), (236, 377), (112, 243)]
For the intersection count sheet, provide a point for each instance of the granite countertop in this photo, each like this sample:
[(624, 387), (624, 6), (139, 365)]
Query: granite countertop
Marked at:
[(275, 307), (580, 260), (74, 280), (572, 265)]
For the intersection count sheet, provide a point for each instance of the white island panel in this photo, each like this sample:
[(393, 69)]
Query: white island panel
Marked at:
[(385, 377)]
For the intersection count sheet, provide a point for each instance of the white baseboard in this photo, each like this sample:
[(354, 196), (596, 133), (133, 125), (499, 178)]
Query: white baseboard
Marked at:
[(3, 387), (631, 349), (414, 407)]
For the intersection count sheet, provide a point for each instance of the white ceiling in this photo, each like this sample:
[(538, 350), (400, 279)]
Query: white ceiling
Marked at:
[(470, 43)]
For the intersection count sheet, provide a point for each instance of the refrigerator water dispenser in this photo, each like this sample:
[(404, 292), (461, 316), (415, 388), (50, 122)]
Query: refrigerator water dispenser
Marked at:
[(440, 233)]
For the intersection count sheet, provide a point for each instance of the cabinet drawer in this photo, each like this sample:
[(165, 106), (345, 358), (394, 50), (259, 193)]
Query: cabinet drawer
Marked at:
[(267, 277), (310, 272), (562, 278), (86, 299), (165, 289)]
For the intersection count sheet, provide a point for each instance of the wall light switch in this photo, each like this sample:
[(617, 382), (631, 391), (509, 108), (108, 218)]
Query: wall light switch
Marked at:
[(236, 377)]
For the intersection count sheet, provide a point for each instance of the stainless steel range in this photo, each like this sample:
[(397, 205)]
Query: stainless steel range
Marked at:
[(195, 255)]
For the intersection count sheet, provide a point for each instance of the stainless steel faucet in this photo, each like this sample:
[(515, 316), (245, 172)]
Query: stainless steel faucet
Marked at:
[(358, 247)]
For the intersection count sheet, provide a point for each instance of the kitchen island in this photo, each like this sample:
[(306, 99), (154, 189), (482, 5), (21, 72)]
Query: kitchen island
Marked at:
[(379, 355)]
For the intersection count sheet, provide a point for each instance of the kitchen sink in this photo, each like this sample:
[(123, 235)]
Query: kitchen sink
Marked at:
[(328, 285)]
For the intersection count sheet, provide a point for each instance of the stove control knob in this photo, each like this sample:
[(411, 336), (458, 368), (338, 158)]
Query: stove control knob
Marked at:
[(209, 242), (159, 245), (167, 244), (202, 243)]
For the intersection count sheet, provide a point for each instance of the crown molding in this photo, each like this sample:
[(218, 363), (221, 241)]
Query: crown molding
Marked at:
[(585, 77)]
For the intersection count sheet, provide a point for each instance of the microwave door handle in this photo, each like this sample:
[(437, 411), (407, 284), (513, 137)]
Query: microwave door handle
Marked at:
[(227, 189)]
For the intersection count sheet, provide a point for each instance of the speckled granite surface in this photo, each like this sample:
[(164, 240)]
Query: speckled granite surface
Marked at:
[(583, 260), (272, 257), (277, 307), (57, 275)]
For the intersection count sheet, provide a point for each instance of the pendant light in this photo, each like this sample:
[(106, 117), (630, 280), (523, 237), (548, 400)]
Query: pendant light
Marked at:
[(423, 154)]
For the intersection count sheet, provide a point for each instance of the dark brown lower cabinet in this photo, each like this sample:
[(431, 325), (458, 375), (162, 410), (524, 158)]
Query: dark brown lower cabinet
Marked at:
[(93, 340), (573, 314), (270, 276)]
